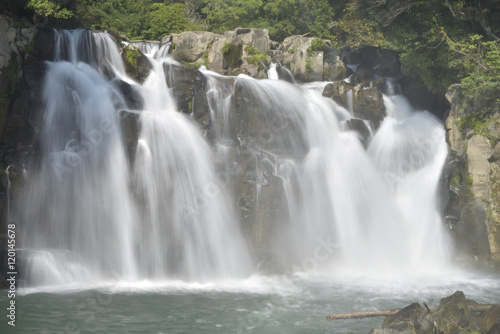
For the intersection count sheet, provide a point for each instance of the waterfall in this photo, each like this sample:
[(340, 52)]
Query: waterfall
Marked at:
[(79, 208), (278, 177), (191, 231), (375, 208), (87, 217), (272, 73)]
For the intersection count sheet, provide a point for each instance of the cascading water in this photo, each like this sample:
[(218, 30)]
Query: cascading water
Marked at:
[(334, 189), (172, 217), (154, 242), (79, 214), (86, 227), (191, 230)]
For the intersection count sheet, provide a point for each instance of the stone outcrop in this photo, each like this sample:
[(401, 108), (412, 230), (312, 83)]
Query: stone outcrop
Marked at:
[(473, 210), (190, 46), (455, 314), (367, 100), (250, 51), (136, 63)]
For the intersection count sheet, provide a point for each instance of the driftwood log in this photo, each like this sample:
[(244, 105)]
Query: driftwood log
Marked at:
[(357, 315)]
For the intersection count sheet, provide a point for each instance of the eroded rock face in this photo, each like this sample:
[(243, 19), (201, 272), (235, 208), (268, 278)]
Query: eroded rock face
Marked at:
[(474, 207)]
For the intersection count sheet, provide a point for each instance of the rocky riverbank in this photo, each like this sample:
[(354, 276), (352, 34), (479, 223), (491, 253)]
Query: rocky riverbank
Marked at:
[(455, 315)]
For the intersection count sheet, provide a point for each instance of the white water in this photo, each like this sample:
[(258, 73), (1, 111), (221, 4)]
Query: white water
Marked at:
[(272, 74), (364, 211), (191, 232), (344, 210), (82, 220), (78, 199)]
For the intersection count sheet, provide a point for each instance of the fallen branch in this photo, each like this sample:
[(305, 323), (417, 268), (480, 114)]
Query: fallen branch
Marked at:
[(357, 315)]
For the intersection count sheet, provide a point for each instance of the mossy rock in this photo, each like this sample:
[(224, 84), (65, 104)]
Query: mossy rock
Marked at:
[(136, 63), (232, 55)]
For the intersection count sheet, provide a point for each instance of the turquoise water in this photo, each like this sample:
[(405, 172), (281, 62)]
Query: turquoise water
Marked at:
[(281, 304)]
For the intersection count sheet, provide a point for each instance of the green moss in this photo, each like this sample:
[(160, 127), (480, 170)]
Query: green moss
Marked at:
[(317, 45), (455, 181), (495, 192), (478, 125), (327, 73), (468, 181), (29, 49), (132, 56), (205, 58), (308, 65), (188, 64), (225, 48), (232, 57), (257, 57), (251, 50), (292, 50)]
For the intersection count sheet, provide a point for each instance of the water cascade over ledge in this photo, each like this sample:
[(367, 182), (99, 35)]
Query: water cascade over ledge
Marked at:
[(280, 183)]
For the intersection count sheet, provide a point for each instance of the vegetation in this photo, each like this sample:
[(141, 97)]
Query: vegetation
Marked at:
[(441, 42)]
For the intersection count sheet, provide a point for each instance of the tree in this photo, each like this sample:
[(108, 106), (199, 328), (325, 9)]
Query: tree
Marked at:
[(49, 8)]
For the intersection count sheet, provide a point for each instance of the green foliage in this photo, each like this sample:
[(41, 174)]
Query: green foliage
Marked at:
[(205, 58), (317, 44), (441, 42), (357, 29), (132, 57), (49, 8), (251, 50), (308, 65), (225, 48), (257, 57)]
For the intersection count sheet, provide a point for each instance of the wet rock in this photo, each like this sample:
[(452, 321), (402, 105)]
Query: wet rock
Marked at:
[(130, 128), (285, 74), (295, 53), (333, 67), (131, 94), (407, 318), (367, 100), (454, 315), (495, 329), (453, 311), (487, 319), (421, 98), (337, 91), (372, 63), (362, 129), (136, 63), (188, 88)]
